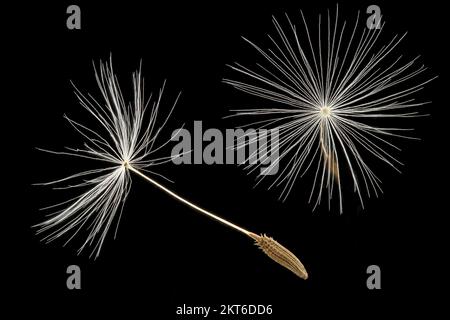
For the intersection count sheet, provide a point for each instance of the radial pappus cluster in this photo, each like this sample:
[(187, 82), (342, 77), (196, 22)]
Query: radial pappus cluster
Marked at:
[(124, 136), (330, 90)]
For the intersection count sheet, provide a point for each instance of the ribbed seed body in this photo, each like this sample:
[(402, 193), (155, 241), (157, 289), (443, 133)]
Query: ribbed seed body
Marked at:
[(280, 254)]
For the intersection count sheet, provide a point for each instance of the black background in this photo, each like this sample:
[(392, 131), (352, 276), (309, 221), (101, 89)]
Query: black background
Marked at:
[(165, 254)]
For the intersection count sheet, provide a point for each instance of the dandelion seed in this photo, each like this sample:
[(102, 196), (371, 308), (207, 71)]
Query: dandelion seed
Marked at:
[(329, 96), (125, 140)]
